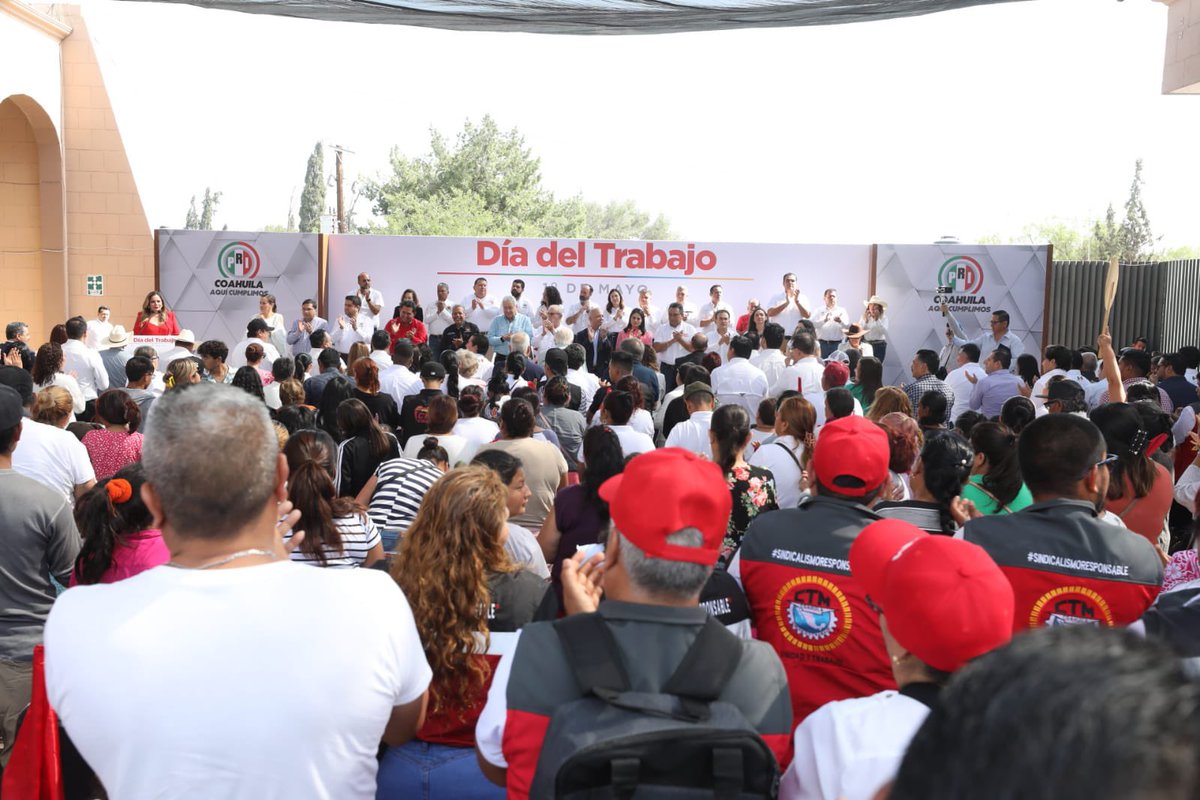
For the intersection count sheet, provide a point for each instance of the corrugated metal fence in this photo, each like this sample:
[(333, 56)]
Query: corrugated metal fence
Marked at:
[(1159, 300)]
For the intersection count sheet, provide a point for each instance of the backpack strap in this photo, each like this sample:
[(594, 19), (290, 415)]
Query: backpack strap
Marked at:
[(705, 669), (593, 654), (790, 453)]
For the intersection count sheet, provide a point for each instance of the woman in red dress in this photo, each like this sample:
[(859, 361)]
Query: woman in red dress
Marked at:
[(155, 319)]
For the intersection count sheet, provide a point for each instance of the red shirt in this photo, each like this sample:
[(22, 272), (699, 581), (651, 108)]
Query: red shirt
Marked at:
[(143, 327), (414, 331)]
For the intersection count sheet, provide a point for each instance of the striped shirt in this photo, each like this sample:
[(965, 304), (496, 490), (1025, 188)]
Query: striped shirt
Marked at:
[(401, 486), (359, 535)]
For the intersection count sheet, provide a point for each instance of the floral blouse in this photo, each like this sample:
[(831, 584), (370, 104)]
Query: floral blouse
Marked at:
[(753, 490)]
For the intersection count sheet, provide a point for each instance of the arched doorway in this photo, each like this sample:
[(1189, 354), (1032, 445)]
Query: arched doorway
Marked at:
[(32, 220)]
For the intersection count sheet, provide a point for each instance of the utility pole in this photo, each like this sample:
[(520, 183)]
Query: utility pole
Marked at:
[(341, 194)]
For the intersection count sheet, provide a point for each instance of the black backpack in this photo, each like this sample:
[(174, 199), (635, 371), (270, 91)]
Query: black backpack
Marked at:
[(680, 743)]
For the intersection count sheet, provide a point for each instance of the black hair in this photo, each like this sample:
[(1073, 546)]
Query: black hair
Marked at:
[(76, 328), (1028, 368), (853, 356), (310, 456), (529, 395), (946, 467), (432, 451), (514, 365), (282, 368), (300, 364), (137, 368), (1122, 705), (840, 402), (741, 346), (317, 338), (296, 417), (936, 409), (480, 340), (766, 411), (731, 427), (518, 418), (471, 401), (620, 407), (774, 335), (449, 361), (501, 462), (870, 373), (248, 380), (602, 459), (1003, 357), (328, 358), (551, 296), (380, 340), (1139, 360), (1055, 451), (355, 419), (971, 351), (402, 351), (1061, 356), (116, 407), (623, 361), (105, 525), (930, 359), (1190, 355), (998, 445), (1017, 412), (213, 348), (558, 391), (576, 355), (1125, 437), (335, 392), (354, 299), (805, 342)]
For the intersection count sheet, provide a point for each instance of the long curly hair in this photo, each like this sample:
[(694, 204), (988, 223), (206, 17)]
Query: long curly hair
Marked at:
[(46, 363), (442, 567)]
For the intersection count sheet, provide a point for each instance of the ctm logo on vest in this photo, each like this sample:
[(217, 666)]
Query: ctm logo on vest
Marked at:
[(961, 274), (238, 260)]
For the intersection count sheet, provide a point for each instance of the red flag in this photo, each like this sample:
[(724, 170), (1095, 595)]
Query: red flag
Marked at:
[(34, 770)]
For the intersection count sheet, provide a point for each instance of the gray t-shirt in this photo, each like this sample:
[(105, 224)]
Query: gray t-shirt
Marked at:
[(40, 539), (569, 426)]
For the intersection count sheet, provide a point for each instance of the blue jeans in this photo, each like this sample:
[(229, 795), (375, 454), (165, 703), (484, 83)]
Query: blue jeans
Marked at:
[(828, 346), (423, 771)]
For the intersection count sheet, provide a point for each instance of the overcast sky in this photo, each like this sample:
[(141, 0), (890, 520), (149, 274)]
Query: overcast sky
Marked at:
[(966, 123)]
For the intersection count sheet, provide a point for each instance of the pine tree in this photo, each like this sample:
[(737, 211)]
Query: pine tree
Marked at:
[(1137, 241), (193, 219), (312, 200), (208, 209)]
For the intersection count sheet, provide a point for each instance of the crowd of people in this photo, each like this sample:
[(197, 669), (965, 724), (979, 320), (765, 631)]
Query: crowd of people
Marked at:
[(512, 548)]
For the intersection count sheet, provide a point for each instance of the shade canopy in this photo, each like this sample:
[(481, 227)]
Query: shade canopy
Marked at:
[(594, 17)]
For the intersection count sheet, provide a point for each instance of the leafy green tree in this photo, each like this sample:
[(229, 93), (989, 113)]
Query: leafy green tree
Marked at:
[(192, 221), (488, 183), (312, 199), (208, 209)]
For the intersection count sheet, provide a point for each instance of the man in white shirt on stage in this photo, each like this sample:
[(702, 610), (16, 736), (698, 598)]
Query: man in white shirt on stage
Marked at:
[(523, 304), (372, 301), (650, 312), (99, 328), (480, 306), (721, 334), (830, 319), (672, 340), (709, 310), (987, 341), (578, 313), (737, 380), (438, 317), (788, 307), (691, 314), (352, 327)]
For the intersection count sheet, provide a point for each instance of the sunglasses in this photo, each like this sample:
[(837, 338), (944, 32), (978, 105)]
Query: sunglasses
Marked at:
[(1107, 461)]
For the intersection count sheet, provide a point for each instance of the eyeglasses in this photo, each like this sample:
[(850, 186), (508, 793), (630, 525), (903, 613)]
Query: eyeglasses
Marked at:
[(1107, 461)]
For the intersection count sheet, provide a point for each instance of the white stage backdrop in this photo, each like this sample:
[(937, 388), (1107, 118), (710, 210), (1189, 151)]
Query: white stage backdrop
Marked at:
[(981, 279), (213, 279), (745, 271)]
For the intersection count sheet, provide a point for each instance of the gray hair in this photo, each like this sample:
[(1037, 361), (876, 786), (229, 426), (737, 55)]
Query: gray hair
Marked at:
[(1089, 362), (658, 576), (554, 309), (563, 336), (519, 343), (634, 347), (508, 298), (442, 284), (467, 363), (210, 453)]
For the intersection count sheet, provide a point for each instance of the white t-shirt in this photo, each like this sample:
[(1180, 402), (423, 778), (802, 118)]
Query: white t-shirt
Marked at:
[(89, 370), (523, 548), (476, 430), (272, 681), (53, 457), (849, 748), (237, 353), (632, 441), (692, 434), (459, 449), (784, 467), (97, 332)]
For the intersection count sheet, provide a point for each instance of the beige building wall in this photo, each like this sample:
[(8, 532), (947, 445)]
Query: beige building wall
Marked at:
[(107, 231), (69, 205), (1181, 72)]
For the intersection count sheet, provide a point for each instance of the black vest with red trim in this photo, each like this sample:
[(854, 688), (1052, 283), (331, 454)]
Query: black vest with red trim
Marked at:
[(795, 570), (1067, 567)]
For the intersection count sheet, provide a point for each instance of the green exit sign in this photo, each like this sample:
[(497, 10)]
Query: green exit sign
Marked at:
[(95, 285)]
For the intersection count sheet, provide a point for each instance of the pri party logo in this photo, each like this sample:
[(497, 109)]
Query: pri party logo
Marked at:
[(813, 614), (238, 260), (962, 274)]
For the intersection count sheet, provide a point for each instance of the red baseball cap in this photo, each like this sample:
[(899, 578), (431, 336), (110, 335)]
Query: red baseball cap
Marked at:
[(836, 374), (851, 456), (664, 491), (945, 600)]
